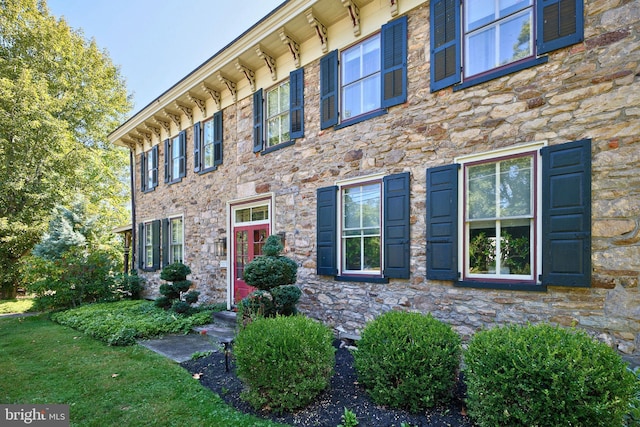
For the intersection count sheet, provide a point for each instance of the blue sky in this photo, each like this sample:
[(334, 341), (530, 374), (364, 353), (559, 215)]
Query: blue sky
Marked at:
[(158, 42)]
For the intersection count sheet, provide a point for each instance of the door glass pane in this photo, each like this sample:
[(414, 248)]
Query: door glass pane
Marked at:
[(242, 252), (259, 237)]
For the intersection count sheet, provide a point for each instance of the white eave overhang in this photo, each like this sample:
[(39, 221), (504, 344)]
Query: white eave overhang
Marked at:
[(279, 34)]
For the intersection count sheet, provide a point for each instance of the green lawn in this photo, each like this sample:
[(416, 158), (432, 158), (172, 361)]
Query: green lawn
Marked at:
[(45, 363)]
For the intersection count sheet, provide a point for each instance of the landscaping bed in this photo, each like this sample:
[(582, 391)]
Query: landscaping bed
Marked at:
[(327, 409)]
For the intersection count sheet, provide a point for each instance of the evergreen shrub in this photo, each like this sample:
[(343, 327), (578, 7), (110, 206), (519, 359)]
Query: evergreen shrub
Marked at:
[(285, 299), (284, 362), (545, 375), (408, 360)]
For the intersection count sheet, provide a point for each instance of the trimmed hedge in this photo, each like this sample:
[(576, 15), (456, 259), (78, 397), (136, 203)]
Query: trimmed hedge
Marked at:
[(408, 360), (545, 375), (284, 362)]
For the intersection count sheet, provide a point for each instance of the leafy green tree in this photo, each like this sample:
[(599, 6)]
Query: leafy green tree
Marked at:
[(60, 96)]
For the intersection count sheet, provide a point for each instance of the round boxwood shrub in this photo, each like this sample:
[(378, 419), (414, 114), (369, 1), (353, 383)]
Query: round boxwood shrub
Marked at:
[(285, 299), (284, 362), (408, 360), (271, 269), (545, 375)]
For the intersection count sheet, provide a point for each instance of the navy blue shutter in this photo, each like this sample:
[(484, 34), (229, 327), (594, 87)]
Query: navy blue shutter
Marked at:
[(445, 43), (182, 160), (560, 23), (197, 138), (396, 226), (217, 138), (141, 251), (154, 171), (329, 90), (167, 160), (155, 231), (166, 241), (442, 222), (296, 103), (143, 172), (394, 62), (566, 214), (327, 229), (257, 122)]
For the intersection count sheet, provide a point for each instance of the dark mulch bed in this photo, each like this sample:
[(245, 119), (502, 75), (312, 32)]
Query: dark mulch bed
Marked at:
[(326, 410)]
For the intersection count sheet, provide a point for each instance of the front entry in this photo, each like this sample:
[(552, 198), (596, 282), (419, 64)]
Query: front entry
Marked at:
[(248, 244), (251, 225)]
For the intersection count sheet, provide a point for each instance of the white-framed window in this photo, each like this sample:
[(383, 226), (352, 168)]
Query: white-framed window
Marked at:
[(175, 156), (148, 244), (176, 240), (149, 169), (500, 215), (361, 227), (496, 33), (360, 78), (207, 145), (277, 114)]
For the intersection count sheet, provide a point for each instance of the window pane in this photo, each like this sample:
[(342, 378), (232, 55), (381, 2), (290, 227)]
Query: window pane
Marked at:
[(371, 206), (208, 144), (515, 187), (175, 157), (515, 248), (479, 13), (208, 156), (371, 92), (481, 52), (351, 65), (273, 103), (371, 259), (351, 101), (353, 253), (243, 215), (482, 249), (507, 7), (352, 200), (284, 97), (273, 132), (515, 39), (481, 188), (259, 213), (371, 56)]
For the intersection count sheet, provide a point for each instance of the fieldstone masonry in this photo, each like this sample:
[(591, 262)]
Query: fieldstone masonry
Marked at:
[(590, 90)]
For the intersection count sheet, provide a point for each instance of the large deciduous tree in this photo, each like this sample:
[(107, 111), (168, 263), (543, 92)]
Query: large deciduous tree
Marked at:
[(60, 95)]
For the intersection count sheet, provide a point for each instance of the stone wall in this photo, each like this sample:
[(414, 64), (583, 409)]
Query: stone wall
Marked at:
[(590, 90)]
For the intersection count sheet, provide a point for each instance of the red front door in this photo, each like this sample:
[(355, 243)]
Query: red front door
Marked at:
[(248, 242)]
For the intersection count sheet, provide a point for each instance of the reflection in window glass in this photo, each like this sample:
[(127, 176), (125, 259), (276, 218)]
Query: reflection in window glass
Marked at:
[(361, 228), (278, 115), (361, 78)]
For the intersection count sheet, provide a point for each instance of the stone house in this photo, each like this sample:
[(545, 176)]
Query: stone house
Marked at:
[(451, 157)]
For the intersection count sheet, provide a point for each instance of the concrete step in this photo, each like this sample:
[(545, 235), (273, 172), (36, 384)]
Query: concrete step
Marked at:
[(216, 332), (227, 318)]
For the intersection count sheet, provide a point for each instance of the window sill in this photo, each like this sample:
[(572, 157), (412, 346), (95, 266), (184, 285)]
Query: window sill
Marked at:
[(368, 279), (500, 72), (207, 170), (361, 118), (175, 181), (149, 190), (507, 286), (278, 147)]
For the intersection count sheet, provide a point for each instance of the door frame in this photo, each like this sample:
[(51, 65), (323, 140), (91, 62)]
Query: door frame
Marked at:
[(268, 200)]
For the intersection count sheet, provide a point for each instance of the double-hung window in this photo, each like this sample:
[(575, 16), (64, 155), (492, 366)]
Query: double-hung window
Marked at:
[(175, 150), (363, 229), (473, 41), (365, 79), (278, 114), (149, 169), (172, 240), (149, 245), (517, 218), (207, 144)]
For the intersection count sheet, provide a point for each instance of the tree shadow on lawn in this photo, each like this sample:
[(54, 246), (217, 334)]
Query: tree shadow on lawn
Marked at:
[(326, 410)]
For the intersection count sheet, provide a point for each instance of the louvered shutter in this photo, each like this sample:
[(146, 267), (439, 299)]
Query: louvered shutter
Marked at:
[(442, 222), (217, 138), (257, 122), (396, 226), (560, 24), (197, 141), (296, 103), (566, 214), (143, 172), (445, 43), (155, 230), (141, 251), (154, 171), (326, 240), (166, 241), (167, 160), (394, 62), (329, 90), (182, 160)]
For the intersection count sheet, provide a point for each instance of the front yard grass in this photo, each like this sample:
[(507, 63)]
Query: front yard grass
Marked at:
[(46, 363)]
